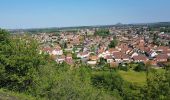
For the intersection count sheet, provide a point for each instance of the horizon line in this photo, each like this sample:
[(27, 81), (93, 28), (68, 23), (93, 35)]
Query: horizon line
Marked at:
[(76, 26)]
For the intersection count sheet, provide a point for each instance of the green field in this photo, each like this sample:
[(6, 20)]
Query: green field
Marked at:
[(138, 78)]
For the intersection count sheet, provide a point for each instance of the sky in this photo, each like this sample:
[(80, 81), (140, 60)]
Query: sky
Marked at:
[(63, 13)]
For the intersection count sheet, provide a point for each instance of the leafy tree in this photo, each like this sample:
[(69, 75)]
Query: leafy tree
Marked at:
[(111, 81), (140, 67), (20, 62), (74, 84), (113, 43), (102, 32), (102, 62), (123, 67), (158, 85), (155, 39)]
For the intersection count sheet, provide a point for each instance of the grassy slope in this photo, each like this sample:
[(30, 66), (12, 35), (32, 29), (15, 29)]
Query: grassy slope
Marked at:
[(8, 95), (138, 78)]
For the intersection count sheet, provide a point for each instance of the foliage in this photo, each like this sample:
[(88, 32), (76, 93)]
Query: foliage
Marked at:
[(140, 67), (113, 82), (137, 78), (123, 67), (8, 95), (4, 36), (19, 65), (102, 32), (158, 87), (165, 29), (113, 43), (59, 82), (155, 39), (109, 81), (102, 62)]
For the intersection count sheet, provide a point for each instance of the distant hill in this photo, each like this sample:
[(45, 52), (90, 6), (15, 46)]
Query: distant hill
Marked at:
[(58, 29), (157, 24)]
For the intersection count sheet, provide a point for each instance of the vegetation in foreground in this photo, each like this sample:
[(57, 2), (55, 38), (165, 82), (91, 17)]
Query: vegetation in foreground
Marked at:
[(8, 95), (137, 78), (23, 70)]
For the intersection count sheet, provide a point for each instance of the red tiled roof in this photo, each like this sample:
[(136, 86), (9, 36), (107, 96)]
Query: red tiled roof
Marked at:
[(111, 50), (140, 57), (109, 57), (161, 58), (93, 57), (47, 49), (163, 48)]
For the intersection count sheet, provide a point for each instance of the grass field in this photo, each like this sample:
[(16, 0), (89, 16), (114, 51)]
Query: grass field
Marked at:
[(138, 78)]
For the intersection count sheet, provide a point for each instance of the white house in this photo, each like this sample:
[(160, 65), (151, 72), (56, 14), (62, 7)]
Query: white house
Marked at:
[(153, 54), (83, 55), (57, 51), (92, 62)]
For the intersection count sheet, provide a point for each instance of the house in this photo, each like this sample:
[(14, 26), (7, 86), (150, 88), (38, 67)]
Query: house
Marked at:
[(153, 54), (127, 51), (140, 58), (117, 56), (93, 60), (47, 50), (162, 58), (83, 54), (153, 63), (109, 59), (166, 52), (57, 51), (69, 59), (113, 65), (162, 48), (125, 58), (101, 52), (111, 51), (69, 47), (60, 59)]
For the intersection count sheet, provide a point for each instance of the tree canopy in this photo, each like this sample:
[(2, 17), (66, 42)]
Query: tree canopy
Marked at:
[(102, 32), (113, 43)]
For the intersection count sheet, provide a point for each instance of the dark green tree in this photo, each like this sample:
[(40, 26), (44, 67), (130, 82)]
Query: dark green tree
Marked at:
[(4, 36), (140, 67), (102, 32), (113, 43)]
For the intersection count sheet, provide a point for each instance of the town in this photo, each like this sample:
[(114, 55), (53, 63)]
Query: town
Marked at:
[(113, 46), (85, 50)]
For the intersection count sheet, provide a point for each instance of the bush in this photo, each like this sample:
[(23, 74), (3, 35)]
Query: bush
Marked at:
[(108, 80), (140, 67), (123, 67)]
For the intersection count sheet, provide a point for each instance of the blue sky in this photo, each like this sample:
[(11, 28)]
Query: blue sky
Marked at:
[(63, 13)]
